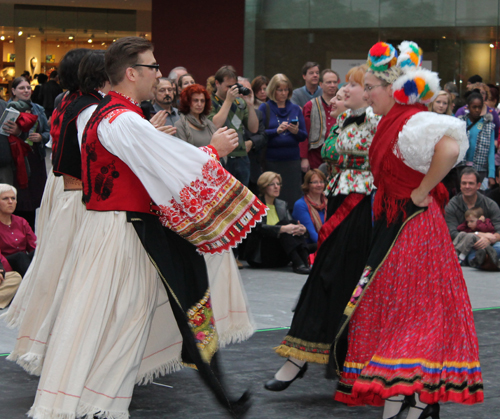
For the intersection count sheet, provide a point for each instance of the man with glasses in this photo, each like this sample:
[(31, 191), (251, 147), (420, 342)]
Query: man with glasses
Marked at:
[(164, 99), (116, 326)]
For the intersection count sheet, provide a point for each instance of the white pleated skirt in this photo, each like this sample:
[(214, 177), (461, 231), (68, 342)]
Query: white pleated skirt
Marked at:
[(54, 189), (100, 336), (231, 312)]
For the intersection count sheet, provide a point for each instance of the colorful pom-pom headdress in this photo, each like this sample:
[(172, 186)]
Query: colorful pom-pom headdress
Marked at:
[(382, 60), (410, 82)]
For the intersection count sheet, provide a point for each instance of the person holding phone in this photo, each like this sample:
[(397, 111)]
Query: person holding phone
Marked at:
[(285, 129)]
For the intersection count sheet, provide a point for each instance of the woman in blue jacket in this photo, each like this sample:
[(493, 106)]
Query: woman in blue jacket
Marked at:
[(285, 129)]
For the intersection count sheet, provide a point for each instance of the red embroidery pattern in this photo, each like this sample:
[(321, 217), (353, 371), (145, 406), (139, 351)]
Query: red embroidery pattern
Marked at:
[(113, 114), (214, 213), (211, 151)]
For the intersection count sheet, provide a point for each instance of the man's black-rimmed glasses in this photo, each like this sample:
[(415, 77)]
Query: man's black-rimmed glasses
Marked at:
[(155, 66)]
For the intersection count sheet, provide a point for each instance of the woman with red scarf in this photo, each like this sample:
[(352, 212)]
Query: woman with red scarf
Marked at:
[(35, 136), (412, 341), (310, 210)]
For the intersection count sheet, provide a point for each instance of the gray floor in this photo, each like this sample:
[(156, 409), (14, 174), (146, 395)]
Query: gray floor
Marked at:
[(272, 294)]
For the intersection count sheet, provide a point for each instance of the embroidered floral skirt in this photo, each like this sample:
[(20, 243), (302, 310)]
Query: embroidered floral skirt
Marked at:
[(338, 265), (411, 327)]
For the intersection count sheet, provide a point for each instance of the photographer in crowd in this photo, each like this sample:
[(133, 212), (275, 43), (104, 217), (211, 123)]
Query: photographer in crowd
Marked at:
[(232, 107)]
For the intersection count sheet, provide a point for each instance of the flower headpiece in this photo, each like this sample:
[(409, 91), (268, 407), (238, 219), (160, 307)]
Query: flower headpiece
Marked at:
[(410, 82)]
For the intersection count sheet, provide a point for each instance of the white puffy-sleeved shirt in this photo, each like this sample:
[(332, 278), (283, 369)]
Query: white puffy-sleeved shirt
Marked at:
[(163, 163), (422, 132), (82, 120)]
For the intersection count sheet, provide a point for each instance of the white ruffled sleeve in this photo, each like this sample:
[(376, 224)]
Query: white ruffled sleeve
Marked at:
[(422, 132)]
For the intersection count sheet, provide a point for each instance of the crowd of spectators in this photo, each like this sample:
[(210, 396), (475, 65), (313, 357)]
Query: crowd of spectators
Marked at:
[(281, 130)]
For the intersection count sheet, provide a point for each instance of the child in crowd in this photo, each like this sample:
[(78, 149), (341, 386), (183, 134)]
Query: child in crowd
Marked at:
[(475, 223)]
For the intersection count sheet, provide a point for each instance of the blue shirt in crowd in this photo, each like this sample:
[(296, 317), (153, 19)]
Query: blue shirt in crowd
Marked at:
[(284, 146)]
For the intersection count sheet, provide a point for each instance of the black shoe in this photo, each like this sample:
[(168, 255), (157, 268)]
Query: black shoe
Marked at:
[(430, 411), (277, 385), (405, 404), (302, 270)]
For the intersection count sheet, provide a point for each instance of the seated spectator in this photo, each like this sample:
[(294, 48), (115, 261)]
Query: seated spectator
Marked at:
[(9, 282), (470, 198), (475, 222), (278, 239), (310, 210), (17, 240), (193, 125)]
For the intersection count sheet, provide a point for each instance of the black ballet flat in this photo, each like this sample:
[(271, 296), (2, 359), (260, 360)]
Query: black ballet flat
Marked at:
[(405, 404), (278, 385), (430, 411), (302, 270)]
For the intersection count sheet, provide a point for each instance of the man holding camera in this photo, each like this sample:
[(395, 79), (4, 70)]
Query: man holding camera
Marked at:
[(232, 107)]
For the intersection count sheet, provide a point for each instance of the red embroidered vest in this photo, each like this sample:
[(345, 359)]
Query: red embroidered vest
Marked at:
[(108, 183)]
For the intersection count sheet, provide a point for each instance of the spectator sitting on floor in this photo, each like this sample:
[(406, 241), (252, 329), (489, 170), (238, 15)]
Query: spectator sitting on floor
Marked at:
[(9, 282), (475, 223), (17, 240), (310, 210), (470, 198), (278, 239)]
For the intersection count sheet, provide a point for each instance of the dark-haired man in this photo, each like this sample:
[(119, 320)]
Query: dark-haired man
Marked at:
[(232, 110), (164, 99), (318, 121), (469, 198), (311, 89)]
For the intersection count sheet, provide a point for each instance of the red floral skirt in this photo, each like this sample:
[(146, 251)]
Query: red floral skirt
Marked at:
[(413, 329)]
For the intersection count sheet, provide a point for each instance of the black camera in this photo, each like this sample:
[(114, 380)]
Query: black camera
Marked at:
[(242, 90)]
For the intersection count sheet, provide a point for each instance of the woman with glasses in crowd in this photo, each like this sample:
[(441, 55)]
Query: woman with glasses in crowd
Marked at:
[(344, 239), (310, 210), (285, 129)]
